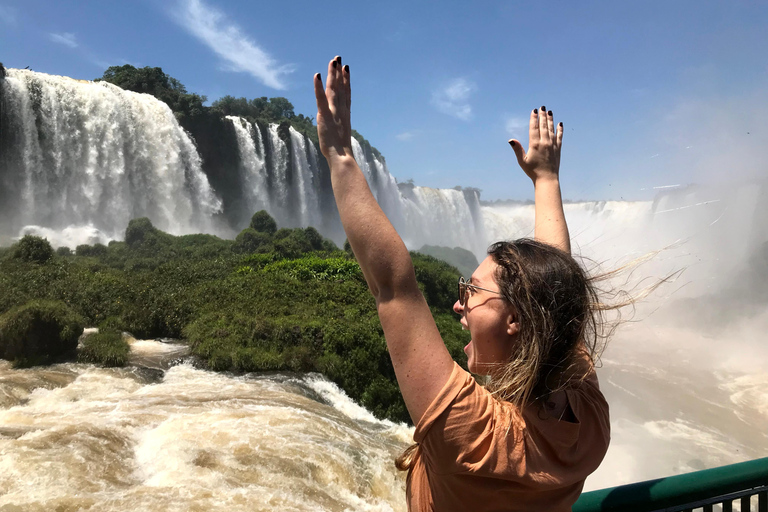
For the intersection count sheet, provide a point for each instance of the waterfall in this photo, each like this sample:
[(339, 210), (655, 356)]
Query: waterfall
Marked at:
[(92, 154), (78, 160), (252, 163), (304, 179)]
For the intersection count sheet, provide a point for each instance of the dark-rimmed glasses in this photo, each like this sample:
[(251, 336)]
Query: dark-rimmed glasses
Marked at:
[(464, 286)]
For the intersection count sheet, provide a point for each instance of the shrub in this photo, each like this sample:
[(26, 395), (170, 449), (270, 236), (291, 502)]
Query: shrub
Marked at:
[(348, 249), (291, 243), (138, 230), (249, 241), (33, 249), (38, 332), (141, 234), (312, 267), (314, 238), (263, 222), (64, 251), (95, 251), (106, 347), (438, 280)]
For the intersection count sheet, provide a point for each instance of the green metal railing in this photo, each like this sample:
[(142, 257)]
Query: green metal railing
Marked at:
[(742, 486)]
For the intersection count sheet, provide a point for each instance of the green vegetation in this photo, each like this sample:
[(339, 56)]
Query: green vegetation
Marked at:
[(272, 110), (153, 81), (191, 112), (106, 347), (273, 299), (263, 222), (33, 249), (460, 258), (38, 332)]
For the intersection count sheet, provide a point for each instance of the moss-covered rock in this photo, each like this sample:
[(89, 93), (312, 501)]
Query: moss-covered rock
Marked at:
[(39, 332), (106, 347)]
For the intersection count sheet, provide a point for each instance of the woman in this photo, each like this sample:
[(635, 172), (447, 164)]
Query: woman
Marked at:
[(529, 438)]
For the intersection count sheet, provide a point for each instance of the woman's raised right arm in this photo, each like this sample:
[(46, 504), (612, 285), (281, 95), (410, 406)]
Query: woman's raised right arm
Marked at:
[(422, 363)]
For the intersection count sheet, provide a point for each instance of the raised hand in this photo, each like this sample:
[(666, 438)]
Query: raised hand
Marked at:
[(542, 160), (334, 128)]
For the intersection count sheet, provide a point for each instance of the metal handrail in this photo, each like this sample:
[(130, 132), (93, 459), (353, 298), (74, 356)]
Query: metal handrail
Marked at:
[(684, 492)]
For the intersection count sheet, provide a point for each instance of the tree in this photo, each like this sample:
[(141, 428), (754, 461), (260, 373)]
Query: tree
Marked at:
[(263, 222), (33, 249), (154, 81)]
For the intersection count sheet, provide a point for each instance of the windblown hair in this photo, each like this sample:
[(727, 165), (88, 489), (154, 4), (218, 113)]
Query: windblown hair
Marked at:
[(561, 321), (562, 324)]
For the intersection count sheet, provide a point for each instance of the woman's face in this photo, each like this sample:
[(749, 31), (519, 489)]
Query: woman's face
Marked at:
[(491, 321)]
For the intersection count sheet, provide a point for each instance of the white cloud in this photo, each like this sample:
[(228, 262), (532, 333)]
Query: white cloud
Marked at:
[(454, 98), (7, 15), (405, 136), (228, 41), (65, 38), (515, 126)]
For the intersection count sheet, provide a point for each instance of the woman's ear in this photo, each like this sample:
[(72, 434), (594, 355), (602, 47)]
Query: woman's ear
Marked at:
[(513, 325)]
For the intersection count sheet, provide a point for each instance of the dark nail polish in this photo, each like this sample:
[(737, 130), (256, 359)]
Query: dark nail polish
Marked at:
[(335, 63), (550, 113), (535, 111), (338, 59), (561, 124), (543, 108), (346, 68), (317, 76), (512, 143)]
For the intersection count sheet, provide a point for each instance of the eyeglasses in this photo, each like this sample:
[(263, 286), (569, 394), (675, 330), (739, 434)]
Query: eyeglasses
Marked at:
[(464, 286)]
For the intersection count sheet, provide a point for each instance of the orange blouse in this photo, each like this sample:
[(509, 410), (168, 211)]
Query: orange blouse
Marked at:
[(476, 453)]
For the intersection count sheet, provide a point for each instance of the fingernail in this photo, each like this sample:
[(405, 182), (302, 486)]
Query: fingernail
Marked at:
[(561, 124), (346, 68), (543, 108), (550, 113), (317, 76), (512, 143), (335, 63), (535, 111), (338, 59)]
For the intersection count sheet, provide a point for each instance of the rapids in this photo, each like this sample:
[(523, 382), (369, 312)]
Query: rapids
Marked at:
[(77, 437)]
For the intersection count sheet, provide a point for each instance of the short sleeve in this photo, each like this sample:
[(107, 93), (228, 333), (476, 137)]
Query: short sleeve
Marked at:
[(464, 429)]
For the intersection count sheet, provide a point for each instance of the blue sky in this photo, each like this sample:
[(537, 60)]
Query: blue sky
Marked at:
[(651, 93)]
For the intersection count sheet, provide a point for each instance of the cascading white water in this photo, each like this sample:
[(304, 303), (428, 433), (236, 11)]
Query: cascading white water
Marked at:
[(279, 195), (305, 179), (76, 437), (93, 154), (252, 163)]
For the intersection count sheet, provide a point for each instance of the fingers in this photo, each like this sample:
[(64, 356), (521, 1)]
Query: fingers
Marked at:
[(533, 127), (544, 133), (551, 125), (519, 151), (347, 87), (322, 99), (559, 138)]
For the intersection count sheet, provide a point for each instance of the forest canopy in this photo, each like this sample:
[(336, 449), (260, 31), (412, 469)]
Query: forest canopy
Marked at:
[(190, 106)]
